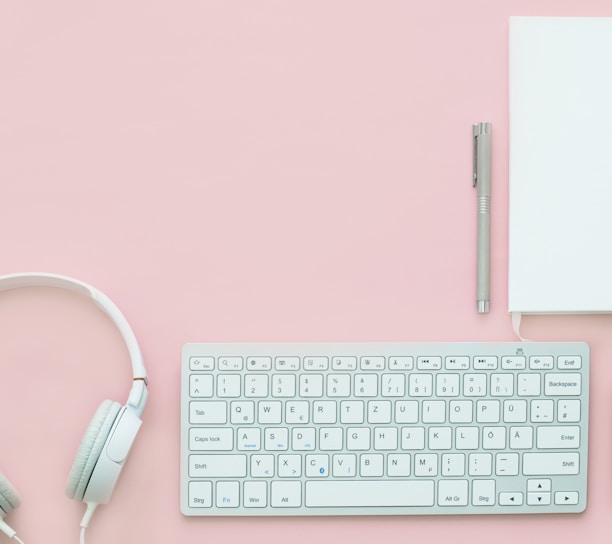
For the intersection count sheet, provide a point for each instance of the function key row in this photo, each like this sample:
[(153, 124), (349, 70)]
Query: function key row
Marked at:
[(400, 362)]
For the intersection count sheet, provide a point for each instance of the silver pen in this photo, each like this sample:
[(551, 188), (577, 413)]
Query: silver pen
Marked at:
[(481, 134)]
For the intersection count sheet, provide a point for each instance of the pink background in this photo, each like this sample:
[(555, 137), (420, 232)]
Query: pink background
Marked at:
[(230, 171)]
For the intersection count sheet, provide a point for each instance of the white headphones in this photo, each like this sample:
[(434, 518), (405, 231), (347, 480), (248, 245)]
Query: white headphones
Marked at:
[(109, 437)]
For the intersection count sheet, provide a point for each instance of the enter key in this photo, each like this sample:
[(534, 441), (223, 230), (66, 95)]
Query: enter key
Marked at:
[(558, 437)]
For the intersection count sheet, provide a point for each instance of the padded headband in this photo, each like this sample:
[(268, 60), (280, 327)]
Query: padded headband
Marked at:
[(138, 393)]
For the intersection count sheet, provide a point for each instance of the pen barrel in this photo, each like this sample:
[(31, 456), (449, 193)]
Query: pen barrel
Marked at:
[(483, 254), (482, 175)]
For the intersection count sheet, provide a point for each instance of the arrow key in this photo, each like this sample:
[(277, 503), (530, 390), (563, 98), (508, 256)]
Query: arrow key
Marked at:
[(539, 485), (538, 499), (510, 499), (566, 497)]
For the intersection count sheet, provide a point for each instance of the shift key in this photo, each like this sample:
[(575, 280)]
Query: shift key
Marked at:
[(221, 466), (548, 464)]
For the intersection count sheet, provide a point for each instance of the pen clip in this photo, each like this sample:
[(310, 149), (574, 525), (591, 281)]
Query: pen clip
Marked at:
[(475, 131), (481, 142)]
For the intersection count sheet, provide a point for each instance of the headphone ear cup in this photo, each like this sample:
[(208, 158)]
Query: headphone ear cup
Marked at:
[(9, 498), (91, 448)]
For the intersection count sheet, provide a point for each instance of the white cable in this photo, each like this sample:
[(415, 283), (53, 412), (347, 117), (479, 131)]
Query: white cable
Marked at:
[(9, 531), (89, 512)]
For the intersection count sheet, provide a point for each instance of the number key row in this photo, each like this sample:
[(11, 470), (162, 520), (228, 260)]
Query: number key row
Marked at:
[(386, 385)]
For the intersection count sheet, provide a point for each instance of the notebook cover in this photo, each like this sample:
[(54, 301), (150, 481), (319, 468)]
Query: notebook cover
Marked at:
[(560, 242)]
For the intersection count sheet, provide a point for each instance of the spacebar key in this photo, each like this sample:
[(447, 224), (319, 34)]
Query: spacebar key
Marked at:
[(368, 493)]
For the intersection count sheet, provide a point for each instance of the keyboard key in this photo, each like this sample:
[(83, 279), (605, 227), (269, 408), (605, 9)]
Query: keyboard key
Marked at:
[(344, 465), (453, 464), (228, 494), (297, 412), (269, 411), (276, 439), (393, 385), (516, 362), (453, 492), (566, 497), (401, 363), (230, 363), (226, 466), (461, 411), (229, 385), (287, 363), (286, 494), (535, 464), (201, 363), (331, 438), (372, 363), (429, 363), (339, 385), (565, 362), (555, 437), (211, 439), (316, 363), (420, 385), (513, 498), (358, 438), (538, 499), (502, 385), (289, 466), (325, 411), (568, 411), (447, 385), (413, 438), (480, 464), (379, 411), (506, 464), (201, 385), (474, 385), (366, 385), (542, 362), (562, 384), (255, 494), (283, 386), (259, 363), (256, 386), (369, 493), (317, 466), (460, 362), (352, 411), (483, 493), (485, 363), (528, 385), (344, 363), (206, 412), (542, 411), (537, 485), (515, 411), (242, 412), (311, 385), (200, 494), (262, 466), (398, 464)]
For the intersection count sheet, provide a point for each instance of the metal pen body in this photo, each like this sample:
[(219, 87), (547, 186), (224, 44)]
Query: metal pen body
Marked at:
[(481, 133)]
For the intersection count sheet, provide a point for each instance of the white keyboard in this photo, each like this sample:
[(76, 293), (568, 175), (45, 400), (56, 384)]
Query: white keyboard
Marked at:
[(387, 428)]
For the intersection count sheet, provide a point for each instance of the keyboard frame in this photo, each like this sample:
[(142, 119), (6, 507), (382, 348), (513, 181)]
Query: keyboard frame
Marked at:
[(414, 349)]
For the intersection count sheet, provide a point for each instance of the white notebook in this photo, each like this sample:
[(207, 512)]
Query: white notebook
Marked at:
[(560, 257)]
